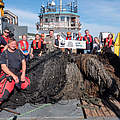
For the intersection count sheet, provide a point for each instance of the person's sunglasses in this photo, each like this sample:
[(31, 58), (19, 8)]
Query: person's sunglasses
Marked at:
[(6, 32)]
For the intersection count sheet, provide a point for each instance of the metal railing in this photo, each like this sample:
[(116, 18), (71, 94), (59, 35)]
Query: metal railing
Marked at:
[(65, 8), (58, 25)]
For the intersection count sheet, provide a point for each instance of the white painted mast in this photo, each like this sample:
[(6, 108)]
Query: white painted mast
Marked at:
[(61, 5)]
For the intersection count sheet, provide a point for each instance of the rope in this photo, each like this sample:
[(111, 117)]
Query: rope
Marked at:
[(40, 107)]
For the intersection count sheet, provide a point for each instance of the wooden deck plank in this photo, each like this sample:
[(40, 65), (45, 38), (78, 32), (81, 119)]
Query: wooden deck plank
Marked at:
[(95, 113), (87, 111), (114, 107), (104, 111)]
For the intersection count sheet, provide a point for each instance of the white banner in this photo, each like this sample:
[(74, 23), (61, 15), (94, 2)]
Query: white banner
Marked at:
[(74, 44)]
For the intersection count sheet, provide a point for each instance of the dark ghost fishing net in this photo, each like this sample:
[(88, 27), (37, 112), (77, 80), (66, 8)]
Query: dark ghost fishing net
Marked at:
[(57, 76)]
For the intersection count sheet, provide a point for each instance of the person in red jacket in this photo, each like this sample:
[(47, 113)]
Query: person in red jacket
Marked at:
[(80, 38), (23, 45), (89, 42), (109, 43), (4, 38), (12, 62), (6, 34), (37, 45), (68, 36)]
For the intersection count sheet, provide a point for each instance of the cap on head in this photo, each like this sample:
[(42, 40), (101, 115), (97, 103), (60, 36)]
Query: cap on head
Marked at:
[(42, 35)]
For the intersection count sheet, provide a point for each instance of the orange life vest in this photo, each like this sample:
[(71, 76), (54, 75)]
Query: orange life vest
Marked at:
[(108, 43), (80, 38), (23, 46), (34, 44), (87, 39)]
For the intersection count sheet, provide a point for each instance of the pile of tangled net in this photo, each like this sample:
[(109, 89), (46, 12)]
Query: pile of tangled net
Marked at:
[(57, 76)]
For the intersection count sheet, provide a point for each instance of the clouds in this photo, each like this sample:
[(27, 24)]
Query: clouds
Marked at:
[(95, 15), (26, 18), (100, 12), (95, 29), (100, 15)]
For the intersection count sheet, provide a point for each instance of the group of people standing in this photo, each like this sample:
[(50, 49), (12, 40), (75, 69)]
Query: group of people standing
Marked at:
[(39, 45), (47, 44), (14, 55), (93, 45)]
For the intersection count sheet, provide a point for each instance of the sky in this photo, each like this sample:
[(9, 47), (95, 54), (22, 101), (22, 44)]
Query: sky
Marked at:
[(95, 15)]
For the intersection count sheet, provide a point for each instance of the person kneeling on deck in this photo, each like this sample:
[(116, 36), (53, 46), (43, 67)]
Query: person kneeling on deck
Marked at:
[(13, 66)]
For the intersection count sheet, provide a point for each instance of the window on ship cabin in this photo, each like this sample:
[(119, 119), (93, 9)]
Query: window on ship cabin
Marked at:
[(57, 19), (62, 18)]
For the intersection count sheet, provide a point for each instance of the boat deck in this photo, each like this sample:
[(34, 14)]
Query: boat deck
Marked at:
[(109, 110), (66, 110)]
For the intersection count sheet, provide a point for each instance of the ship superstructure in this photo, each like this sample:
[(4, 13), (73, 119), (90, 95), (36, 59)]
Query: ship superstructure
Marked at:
[(60, 18)]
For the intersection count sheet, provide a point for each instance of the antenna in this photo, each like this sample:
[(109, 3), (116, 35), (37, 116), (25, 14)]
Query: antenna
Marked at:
[(76, 7)]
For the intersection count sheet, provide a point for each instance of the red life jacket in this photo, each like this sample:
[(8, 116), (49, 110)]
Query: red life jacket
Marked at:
[(108, 43), (6, 38), (87, 39), (34, 44), (80, 38), (68, 38), (22, 45)]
